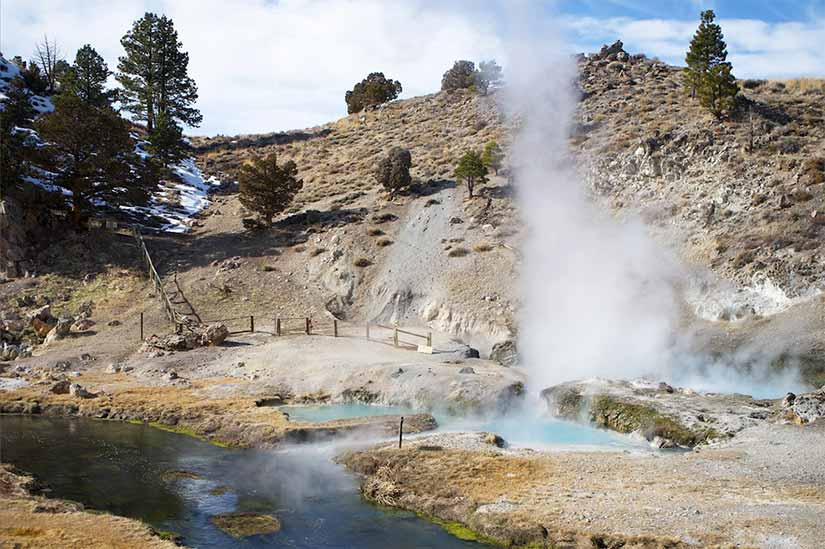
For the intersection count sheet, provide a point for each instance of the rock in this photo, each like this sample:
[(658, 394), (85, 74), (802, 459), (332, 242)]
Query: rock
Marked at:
[(43, 314), (468, 352), (665, 387), (396, 374), (662, 443), (172, 375), (60, 330), (614, 49), (61, 365), (113, 323), (82, 324), (77, 390), (493, 440), (466, 370), (809, 407), (41, 328), (214, 334), (85, 310), (456, 221), (86, 357), (113, 368), (788, 400), (505, 353), (61, 387)]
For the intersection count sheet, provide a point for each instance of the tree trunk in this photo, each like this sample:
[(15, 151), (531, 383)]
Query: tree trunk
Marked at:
[(470, 184)]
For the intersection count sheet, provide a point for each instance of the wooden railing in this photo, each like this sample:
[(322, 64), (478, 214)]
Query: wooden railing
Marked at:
[(157, 282)]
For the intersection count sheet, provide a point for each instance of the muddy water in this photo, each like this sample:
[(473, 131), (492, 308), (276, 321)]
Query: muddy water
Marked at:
[(124, 469)]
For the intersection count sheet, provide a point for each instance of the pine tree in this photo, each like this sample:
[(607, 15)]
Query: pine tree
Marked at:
[(267, 188), (375, 89), (492, 156), (89, 150), (14, 151), (154, 74), (708, 75), (472, 170), (393, 171), (488, 75), (461, 75), (166, 141), (86, 78)]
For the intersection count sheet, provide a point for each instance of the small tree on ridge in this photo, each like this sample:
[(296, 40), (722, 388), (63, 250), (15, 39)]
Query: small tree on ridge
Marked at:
[(471, 170), (267, 188)]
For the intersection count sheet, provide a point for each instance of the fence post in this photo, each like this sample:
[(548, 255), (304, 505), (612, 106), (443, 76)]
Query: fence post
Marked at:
[(141, 326), (400, 432), (429, 339), (252, 323), (278, 326), (334, 327), (306, 319), (395, 336), (368, 330)]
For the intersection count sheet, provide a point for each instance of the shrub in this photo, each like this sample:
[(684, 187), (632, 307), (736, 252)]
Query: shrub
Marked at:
[(492, 156), (375, 89), (267, 188), (374, 231), (383, 242), (458, 252), (471, 170), (362, 262), (462, 75), (393, 171), (317, 251), (482, 247)]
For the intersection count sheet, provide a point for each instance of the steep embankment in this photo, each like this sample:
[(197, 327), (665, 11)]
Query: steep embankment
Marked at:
[(738, 199)]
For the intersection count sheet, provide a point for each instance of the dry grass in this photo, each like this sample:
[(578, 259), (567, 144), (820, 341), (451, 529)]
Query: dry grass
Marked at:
[(482, 247), (802, 85)]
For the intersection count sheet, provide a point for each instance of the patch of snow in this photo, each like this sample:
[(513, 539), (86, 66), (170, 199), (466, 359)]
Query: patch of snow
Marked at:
[(8, 71), (181, 201), (10, 384)]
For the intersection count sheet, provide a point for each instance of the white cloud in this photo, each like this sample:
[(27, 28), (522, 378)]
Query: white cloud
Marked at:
[(263, 66), (757, 49)]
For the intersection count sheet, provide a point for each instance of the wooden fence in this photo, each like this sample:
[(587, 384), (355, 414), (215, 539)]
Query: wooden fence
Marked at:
[(157, 281)]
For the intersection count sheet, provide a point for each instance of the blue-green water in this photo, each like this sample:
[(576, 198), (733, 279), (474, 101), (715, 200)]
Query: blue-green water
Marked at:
[(517, 428), (119, 468), (316, 413)]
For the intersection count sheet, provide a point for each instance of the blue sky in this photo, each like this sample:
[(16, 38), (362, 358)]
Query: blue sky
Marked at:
[(264, 65)]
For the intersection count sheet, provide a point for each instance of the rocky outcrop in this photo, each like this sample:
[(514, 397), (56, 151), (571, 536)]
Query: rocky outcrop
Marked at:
[(663, 415), (198, 336), (806, 407), (505, 353)]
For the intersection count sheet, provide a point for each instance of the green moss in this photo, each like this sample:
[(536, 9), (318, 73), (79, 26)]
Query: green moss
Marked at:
[(625, 417), (461, 531), (182, 431)]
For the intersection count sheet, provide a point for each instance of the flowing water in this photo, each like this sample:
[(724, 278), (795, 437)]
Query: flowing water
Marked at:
[(123, 469)]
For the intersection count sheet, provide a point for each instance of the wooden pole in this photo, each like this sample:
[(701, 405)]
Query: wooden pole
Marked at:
[(278, 326), (429, 339), (400, 432), (395, 336), (307, 324), (334, 327), (141, 326), (368, 330), (252, 323)]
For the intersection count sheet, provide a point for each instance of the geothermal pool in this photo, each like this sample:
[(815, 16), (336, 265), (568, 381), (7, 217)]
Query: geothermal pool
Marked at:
[(119, 467), (519, 429)]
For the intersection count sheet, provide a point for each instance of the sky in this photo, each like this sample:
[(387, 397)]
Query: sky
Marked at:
[(272, 65)]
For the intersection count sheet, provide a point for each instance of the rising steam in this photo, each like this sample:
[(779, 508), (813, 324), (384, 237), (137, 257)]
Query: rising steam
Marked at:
[(599, 295)]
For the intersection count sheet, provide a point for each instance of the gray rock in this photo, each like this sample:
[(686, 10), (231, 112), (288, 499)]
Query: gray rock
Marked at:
[(61, 387), (505, 353), (77, 390), (466, 370)]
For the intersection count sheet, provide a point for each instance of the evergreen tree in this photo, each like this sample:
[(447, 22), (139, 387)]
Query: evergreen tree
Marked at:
[(17, 112), (488, 75), (266, 188), (708, 75), (373, 90), (461, 75), (89, 151), (492, 156), (393, 171), (166, 141), (472, 170), (154, 74), (86, 78)]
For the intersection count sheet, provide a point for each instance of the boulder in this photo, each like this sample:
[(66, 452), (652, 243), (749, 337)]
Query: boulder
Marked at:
[(77, 390), (614, 49), (60, 330), (82, 324), (505, 353), (807, 407), (43, 314), (61, 387), (468, 352), (466, 370), (214, 334)]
